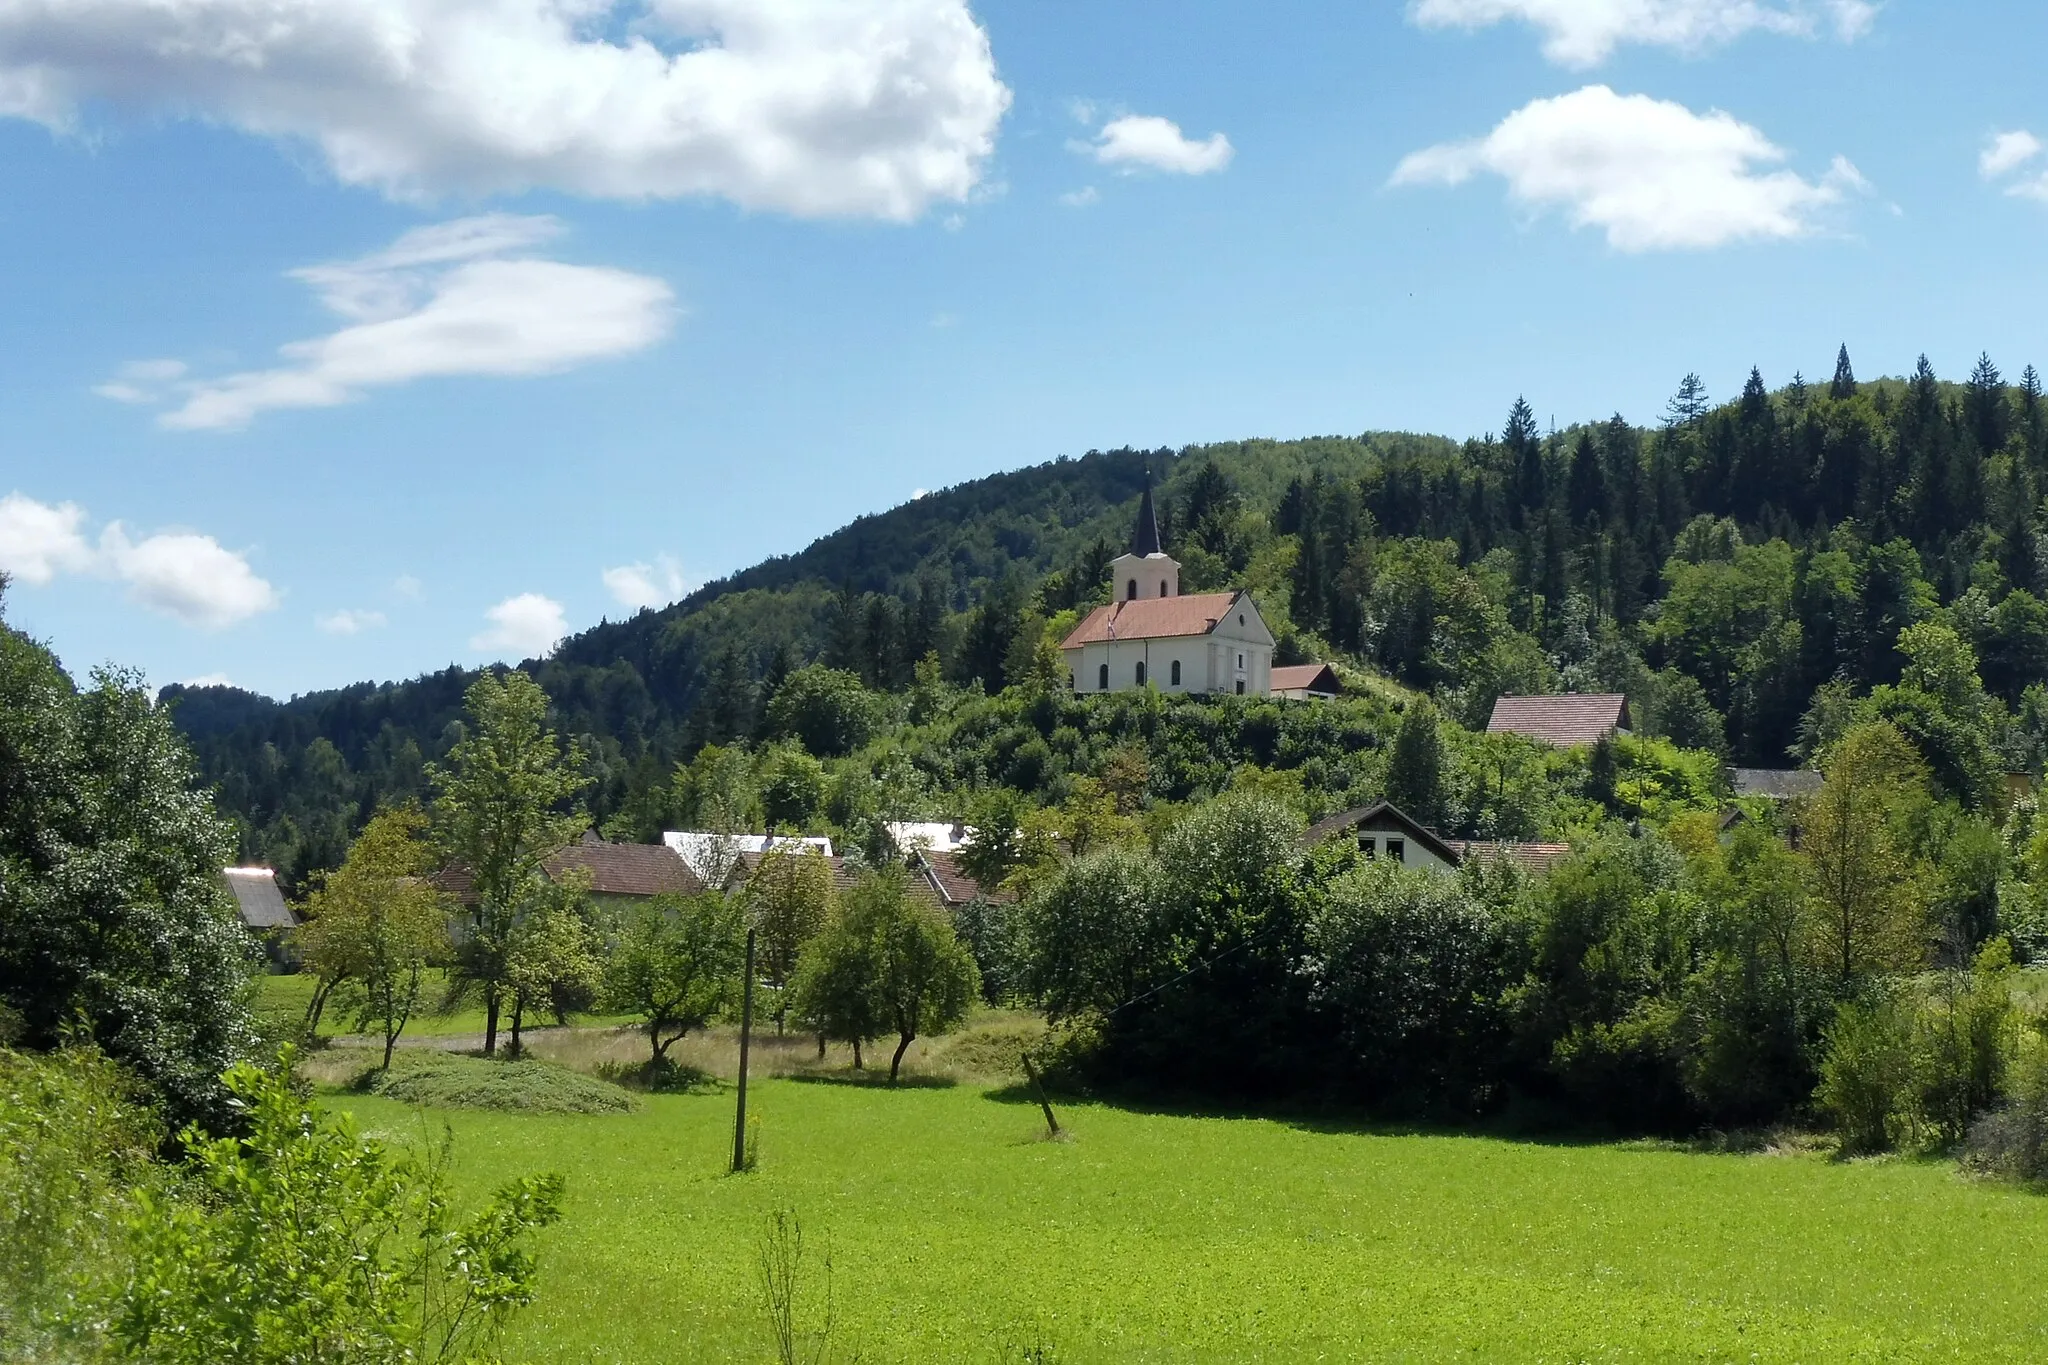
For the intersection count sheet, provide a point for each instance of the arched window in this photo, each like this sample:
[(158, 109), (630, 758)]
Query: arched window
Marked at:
[(1131, 591), (1141, 672), (1103, 683), (1240, 687), (1176, 672), (1162, 588)]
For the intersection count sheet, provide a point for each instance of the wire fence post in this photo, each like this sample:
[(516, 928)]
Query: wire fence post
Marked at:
[(1052, 1125), (739, 1126)]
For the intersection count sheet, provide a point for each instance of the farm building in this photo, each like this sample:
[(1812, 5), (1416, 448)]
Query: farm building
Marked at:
[(1570, 721), (1383, 830), (1307, 682)]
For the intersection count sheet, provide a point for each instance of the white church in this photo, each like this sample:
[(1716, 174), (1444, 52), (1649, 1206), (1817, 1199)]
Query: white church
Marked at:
[(1205, 643)]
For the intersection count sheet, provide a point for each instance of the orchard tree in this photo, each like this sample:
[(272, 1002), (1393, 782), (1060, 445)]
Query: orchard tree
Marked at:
[(503, 808), (677, 966), (788, 902), (553, 962), (925, 979), (375, 924)]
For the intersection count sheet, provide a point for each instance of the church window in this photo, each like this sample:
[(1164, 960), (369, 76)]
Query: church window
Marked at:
[(1103, 684), (1176, 672), (1131, 591), (1141, 672)]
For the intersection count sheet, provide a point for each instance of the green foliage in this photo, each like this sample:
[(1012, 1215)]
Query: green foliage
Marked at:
[(433, 1079), (113, 920), (792, 789), (1415, 771), (788, 901), (315, 1243), (677, 965), (826, 710), (885, 965)]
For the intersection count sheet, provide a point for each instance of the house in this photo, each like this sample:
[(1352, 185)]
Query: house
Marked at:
[(1570, 721), (613, 873), (1307, 682), (1774, 784), (951, 883), (1383, 830), (846, 874), (711, 856), (261, 906), (1202, 643), (940, 836)]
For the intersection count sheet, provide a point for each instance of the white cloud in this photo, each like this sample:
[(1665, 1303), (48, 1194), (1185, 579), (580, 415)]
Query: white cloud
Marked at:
[(38, 541), (1652, 174), (813, 107), (440, 301), (1586, 32), (1081, 198), (179, 573), (1144, 140), (187, 576), (2006, 153), (525, 626), (349, 621), (408, 587), (208, 680), (141, 381), (646, 585)]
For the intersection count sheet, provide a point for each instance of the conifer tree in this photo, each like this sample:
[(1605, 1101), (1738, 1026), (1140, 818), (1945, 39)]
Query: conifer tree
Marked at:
[(1844, 384), (1689, 404), (1985, 408), (1586, 487)]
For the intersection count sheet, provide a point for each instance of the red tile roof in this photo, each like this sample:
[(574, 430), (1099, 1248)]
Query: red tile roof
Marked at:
[(845, 876), (627, 869), (954, 886), (1568, 721), (1306, 678), (1536, 858), (1152, 618)]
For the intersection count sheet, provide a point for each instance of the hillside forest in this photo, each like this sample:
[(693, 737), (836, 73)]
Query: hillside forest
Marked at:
[(1755, 575)]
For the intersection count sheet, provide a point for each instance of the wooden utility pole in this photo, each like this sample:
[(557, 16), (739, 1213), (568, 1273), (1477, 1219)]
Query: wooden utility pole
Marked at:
[(739, 1127), (1052, 1125)]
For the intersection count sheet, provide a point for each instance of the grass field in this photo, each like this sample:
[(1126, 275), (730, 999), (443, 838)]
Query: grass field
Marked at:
[(958, 1234), (286, 998)]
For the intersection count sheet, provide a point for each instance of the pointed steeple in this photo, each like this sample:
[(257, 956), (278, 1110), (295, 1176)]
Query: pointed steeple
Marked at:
[(1145, 536)]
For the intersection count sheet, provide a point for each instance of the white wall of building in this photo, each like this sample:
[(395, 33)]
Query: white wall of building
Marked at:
[(1216, 663)]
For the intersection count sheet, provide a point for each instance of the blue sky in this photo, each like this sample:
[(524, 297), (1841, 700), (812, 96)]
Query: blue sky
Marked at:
[(389, 333)]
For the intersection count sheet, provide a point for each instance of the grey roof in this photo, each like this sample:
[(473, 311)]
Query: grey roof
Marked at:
[(257, 898), (1145, 536), (1774, 784)]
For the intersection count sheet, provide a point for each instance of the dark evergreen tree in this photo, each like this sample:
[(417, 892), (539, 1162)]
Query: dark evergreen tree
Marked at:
[(1985, 409), (1844, 383), (1524, 452), (1586, 485), (1689, 404)]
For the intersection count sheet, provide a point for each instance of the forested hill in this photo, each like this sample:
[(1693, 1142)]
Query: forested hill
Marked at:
[(1747, 572)]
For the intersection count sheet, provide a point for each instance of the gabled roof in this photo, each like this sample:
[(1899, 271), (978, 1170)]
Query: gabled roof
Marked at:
[(257, 898), (1306, 678), (952, 883), (1533, 858), (1566, 721), (1774, 784), (709, 855), (627, 869), (1153, 618), (1380, 814), (845, 876)]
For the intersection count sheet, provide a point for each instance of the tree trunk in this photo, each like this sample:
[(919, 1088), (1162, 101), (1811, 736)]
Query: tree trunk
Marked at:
[(856, 1055), (390, 1041), (821, 1047), (490, 1021), (896, 1062), (518, 1012)]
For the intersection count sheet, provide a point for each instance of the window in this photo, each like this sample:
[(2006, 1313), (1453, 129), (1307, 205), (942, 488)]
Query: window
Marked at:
[(1240, 661), (1141, 672), (1131, 591), (1103, 684), (1240, 618), (1240, 687), (1162, 588), (1397, 849), (1176, 672), (1365, 846)]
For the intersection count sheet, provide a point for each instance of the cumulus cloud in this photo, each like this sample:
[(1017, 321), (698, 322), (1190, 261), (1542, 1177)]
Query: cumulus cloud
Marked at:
[(349, 621), (39, 541), (179, 573), (209, 680), (646, 585), (2004, 154), (1081, 198), (1586, 32), (1144, 140), (524, 626), (1652, 174), (457, 298), (187, 576), (812, 107)]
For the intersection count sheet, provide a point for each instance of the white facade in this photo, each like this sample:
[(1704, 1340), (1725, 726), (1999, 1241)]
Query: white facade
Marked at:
[(711, 856), (1235, 657), (1390, 840), (1136, 576)]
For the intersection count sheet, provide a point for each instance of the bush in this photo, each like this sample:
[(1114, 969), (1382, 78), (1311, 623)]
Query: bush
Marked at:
[(2012, 1140), (441, 1080), (1868, 1075)]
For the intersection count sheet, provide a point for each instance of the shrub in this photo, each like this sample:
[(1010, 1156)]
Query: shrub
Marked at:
[(1868, 1075), (2012, 1140), (440, 1080)]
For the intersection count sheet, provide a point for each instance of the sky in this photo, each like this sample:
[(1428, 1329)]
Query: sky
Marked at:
[(341, 340)]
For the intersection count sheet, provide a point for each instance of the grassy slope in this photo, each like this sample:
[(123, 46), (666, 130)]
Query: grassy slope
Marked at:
[(956, 1235)]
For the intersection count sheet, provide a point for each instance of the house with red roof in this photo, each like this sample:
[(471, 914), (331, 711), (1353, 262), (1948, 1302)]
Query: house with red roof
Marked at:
[(1570, 721), (1152, 634)]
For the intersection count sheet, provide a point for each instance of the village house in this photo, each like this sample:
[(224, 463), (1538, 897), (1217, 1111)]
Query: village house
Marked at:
[(613, 874), (1573, 720), (1307, 682), (1384, 831), (1202, 643), (711, 856), (260, 904)]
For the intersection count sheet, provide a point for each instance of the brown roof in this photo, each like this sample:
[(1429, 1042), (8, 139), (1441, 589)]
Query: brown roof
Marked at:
[(954, 886), (627, 869), (845, 875), (1568, 721), (1153, 618), (1306, 678), (1380, 812), (1536, 858), (257, 899)]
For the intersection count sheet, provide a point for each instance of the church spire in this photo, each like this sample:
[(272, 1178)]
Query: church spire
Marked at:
[(1145, 536)]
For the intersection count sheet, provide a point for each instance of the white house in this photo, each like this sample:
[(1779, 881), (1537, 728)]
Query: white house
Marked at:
[(1382, 830), (1207, 642), (713, 856)]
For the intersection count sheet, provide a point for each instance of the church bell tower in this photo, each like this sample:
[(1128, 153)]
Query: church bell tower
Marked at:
[(1147, 570)]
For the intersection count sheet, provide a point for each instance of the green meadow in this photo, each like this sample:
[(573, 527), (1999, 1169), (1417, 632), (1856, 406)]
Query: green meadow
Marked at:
[(957, 1232)]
